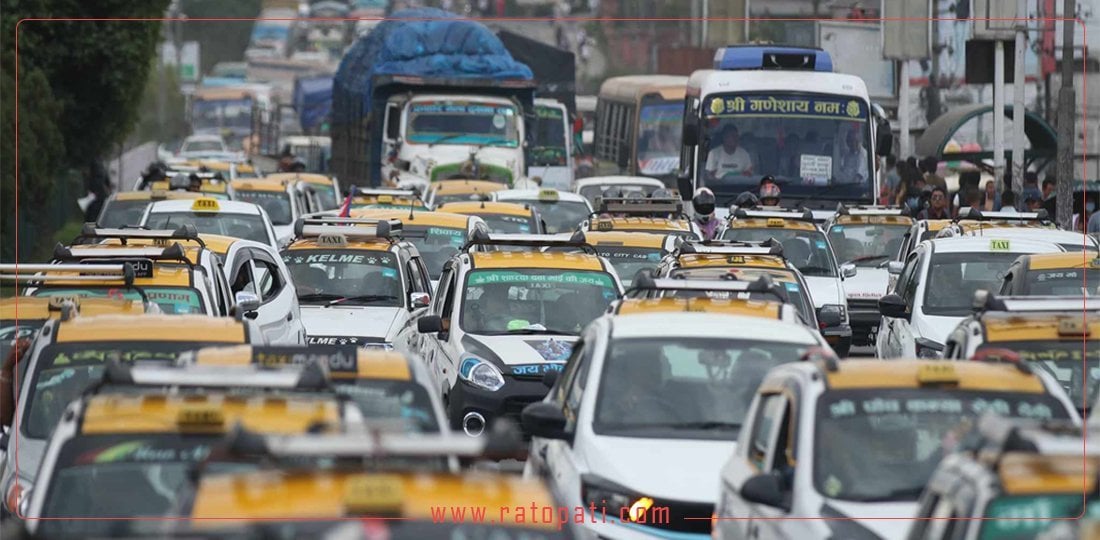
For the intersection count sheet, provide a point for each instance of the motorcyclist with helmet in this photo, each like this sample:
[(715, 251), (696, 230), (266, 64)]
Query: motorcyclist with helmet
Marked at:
[(703, 203)]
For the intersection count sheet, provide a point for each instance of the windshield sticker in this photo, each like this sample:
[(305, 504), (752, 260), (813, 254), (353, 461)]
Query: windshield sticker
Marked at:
[(573, 278), (630, 255), (440, 231), (815, 107), (820, 244), (461, 108), (942, 405), (659, 166), (833, 486), (791, 286), (552, 113), (537, 369), (144, 451), (552, 350), (816, 168), (498, 121), (525, 228), (389, 273), (838, 228), (335, 340), (1071, 274), (85, 357), (171, 301)]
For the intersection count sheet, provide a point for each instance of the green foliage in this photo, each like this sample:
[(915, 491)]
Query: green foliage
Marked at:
[(222, 41), (149, 126)]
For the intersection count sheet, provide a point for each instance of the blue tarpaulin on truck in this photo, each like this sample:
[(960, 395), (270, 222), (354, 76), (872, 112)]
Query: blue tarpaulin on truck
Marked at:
[(425, 42), (313, 100)]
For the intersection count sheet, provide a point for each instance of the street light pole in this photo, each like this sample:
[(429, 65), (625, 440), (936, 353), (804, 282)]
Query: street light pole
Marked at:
[(1066, 113), (999, 112), (1018, 111)]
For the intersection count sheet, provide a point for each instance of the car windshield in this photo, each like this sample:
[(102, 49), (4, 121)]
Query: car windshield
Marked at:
[(957, 275), (1062, 359), (806, 250), (64, 370), (795, 292), (345, 277), (628, 261), (685, 388), (404, 401), (326, 195), (170, 300), (550, 137), (436, 245), (561, 216), (659, 126), (275, 203), (882, 444), (217, 114), (505, 224), (615, 190), (203, 146), (117, 214), (1025, 517), (244, 226), (816, 146), (147, 475), (456, 197), (871, 245), (1063, 282), (470, 122), (523, 300)]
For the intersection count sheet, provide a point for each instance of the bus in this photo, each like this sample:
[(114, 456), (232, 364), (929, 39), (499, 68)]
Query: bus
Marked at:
[(780, 111), (638, 119), (227, 110), (551, 155)]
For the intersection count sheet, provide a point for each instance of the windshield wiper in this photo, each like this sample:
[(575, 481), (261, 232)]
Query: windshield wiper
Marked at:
[(909, 493), (363, 298), (318, 297), (867, 258), (703, 424), (816, 270), (527, 332), (447, 138)]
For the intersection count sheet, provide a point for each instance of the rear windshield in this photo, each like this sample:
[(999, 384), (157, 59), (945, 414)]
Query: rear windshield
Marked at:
[(117, 214)]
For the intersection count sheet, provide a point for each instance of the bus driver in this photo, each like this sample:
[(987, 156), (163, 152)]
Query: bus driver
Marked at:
[(729, 159)]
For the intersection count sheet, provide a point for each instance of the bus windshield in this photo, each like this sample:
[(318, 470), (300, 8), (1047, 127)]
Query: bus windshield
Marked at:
[(816, 146), (659, 124)]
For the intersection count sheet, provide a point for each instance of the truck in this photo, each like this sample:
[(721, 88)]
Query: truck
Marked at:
[(228, 111), (426, 96)]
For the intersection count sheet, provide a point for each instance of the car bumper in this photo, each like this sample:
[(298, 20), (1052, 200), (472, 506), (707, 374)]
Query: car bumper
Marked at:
[(839, 338), (508, 402), (865, 318)]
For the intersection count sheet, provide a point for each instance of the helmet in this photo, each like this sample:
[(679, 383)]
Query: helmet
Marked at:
[(746, 199), (662, 193), (703, 203), (769, 191)]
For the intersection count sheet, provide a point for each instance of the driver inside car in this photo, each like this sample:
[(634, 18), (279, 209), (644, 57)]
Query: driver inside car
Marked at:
[(635, 387)]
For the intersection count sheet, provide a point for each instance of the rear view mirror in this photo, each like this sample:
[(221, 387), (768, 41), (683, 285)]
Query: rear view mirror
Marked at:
[(885, 143), (246, 305), (429, 324), (765, 489), (419, 300), (895, 267), (544, 419), (892, 305), (848, 270), (830, 316)]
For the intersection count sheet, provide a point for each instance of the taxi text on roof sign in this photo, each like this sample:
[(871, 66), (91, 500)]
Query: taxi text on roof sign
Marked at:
[(205, 204), (548, 195), (996, 244), (374, 494)]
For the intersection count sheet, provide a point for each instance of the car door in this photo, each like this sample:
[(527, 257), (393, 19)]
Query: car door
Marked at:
[(904, 346), (557, 460), (757, 454), (782, 428), (887, 342), (278, 315), (437, 349), (417, 283)]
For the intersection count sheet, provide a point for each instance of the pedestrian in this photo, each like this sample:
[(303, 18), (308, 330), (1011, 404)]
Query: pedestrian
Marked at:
[(928, 166), (893, 179), (991, 200), (98, 183), (1008, 202), (972, 198), (1031, 185), (1094, 222), (938, 207), (912, 186), (1032, 202)]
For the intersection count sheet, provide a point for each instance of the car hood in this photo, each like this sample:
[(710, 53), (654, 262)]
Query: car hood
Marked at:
[(867, 284), (520, 350), (371, 322), (283, 232), (825, 290), (556, 177), (883, 528), (629, 461), (934, 327)]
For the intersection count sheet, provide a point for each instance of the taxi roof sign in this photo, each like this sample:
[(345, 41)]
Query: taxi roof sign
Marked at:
[(205, 204), (200, 416), (1073, 326), (332, 240), (930, 373), (160, 185), (645, 285), (549, 195), (651, 206), (374, 494)]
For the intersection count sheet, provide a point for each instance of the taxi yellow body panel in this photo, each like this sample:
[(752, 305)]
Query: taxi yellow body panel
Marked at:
[(165, 274), (640, 224), (559, 261), (199, 328), (312, 178), (625, 239), (162, 413), (463, 187), (1060, 261), (192, 250), (354, 242), (1004, 327), (29, 308), (874, 220), (477, 208), (325, 494), (146, 195), (420, 217), (870, 374), (258, 184), (219, 244), (703, 260), (223, 166), (753, 308), (771, 223), (1034, 474), (370, 364)]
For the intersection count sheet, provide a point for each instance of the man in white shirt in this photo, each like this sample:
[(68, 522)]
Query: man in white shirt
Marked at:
[(729, 158), (850, 159)]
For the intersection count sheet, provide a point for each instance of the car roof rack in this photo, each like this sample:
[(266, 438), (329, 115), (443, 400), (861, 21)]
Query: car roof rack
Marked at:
[(333, 228), (40, 274), (639, 207), (805, 215), (483, 239), (872, 210), (645, 282), (311, 376), (986, 301), (360, 192), (141, 258), (973, 214), (186, 232), (770, 246), (995, 435)]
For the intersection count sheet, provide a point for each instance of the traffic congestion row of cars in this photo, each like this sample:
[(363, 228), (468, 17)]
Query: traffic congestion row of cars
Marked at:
[(394, 354)]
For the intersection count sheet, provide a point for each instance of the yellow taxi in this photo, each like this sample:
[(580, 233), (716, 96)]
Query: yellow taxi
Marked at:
[(761, 298), (387, 385), (921, 230), (647, 215), (146, 431), (420, 502), (327, 188), (1053, 274), (214, 185), (127, 207), (438, 236), (1024, 480), (1018, 225), (1047, 333), (386, 198), (281, 199), (445, 191), (229, 169), (501, 217), (629, 252)]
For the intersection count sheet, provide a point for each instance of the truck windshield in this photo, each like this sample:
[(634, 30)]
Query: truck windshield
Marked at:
[(816, 146), (221, 113), (550, 138), (659, 136), (463, 122)]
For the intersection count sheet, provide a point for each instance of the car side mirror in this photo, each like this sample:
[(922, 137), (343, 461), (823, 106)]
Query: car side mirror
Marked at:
[(892, 305), (429, 324), (550, 378), (544, 419), (830, 316), (246, 304), (847, 270), (895, 267), (885, 143), (419, 300), (4, 437), (766, 489)]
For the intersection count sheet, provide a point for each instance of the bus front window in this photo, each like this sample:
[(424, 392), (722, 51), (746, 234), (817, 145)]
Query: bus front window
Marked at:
[(814, 145), (659, 137)]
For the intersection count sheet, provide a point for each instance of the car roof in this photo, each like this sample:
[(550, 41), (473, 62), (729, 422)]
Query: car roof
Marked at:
[(200, 328), (981, 244), (636, 239), (369, 363), (312, 178), (1039, 233), (224, 207), (772, 223), (147, 195), (610, 180), (528, 259), (859, 219), (532, 195), (453, 187), (1058, 261), (486, 207), (29, 308), (258, 184), (1005, 326), (731, 306), (709, 325), (987, 376), (419, 217)]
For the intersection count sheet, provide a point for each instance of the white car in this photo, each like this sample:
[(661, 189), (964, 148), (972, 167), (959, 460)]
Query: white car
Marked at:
[(646, 411), (242, 220), (284, 199), (935, 288), (561, 211), (201, 146), (1069, 240), (615, 186)]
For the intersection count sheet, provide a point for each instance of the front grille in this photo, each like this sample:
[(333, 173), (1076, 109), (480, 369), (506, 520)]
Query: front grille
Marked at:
[(863, 304), (678, 514)]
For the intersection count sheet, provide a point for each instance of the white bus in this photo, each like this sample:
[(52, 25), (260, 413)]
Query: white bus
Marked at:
[(780, 111)]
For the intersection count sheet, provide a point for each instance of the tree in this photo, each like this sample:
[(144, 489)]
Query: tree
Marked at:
[(222, 41)]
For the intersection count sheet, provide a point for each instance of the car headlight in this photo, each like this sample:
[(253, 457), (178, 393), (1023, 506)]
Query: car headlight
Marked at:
[(18, 498), (480, 373), (927, 348), (606, 497)]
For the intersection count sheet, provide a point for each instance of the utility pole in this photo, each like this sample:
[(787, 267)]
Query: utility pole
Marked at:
[(999, 113), (1066, 116), (1018, 111)]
